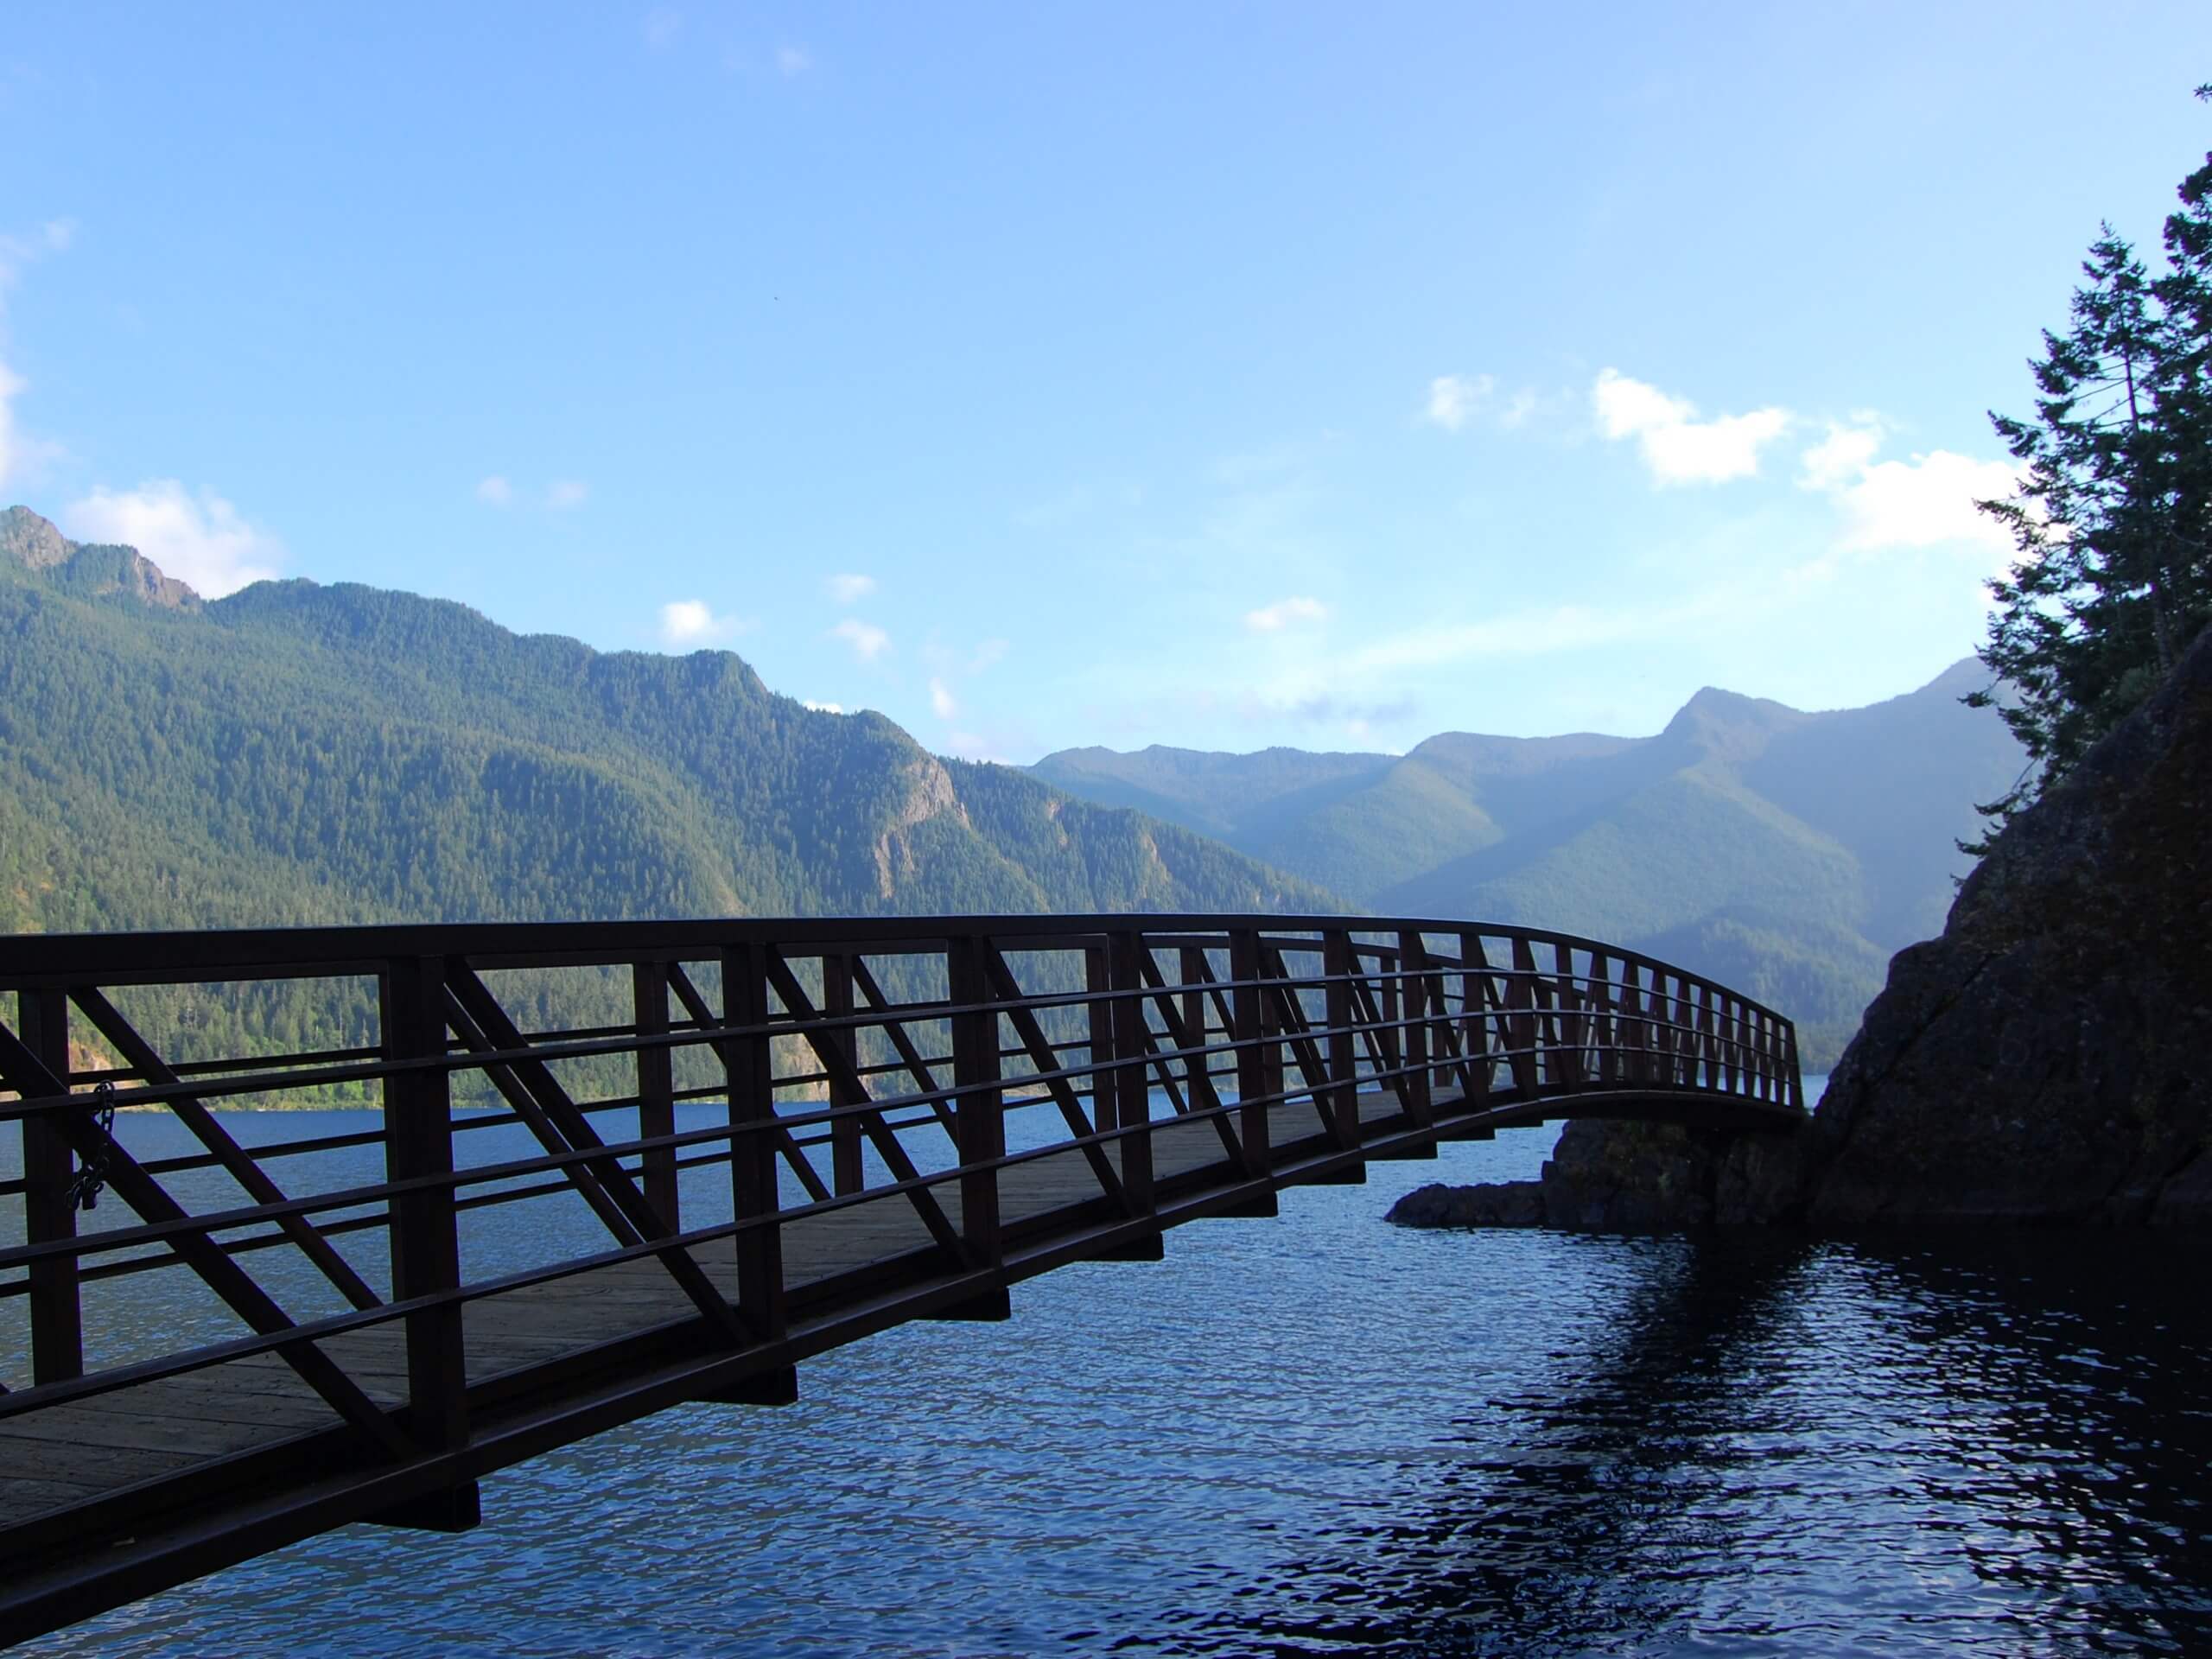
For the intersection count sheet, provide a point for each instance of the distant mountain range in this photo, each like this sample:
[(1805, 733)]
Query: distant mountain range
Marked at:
[(301, 753), (1785, 853)]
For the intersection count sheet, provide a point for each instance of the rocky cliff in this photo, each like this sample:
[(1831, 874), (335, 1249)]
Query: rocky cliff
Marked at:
[(2048, 1059)]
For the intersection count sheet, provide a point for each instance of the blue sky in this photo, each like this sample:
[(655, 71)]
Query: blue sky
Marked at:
[(1214, 375)]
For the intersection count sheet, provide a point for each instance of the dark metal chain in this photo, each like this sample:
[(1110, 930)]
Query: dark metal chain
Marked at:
[(91, 1175)]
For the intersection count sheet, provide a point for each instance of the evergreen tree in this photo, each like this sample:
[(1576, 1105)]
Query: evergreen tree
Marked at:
[(2113, 522)]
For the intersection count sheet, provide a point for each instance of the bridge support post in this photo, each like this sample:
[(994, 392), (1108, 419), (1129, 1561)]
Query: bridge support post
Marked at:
[(846, 1173), (1338, 964), (1259, 1076), (424, 1234), (1132, 1085), (1414, 1003), (49, 1209), (1475, 998), (775, 1387), (980, 1112), (749, 1064), (656, 1089)]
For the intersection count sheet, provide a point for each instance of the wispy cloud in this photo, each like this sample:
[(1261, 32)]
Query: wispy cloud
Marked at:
[(566, 494), (1453, 398), (849, 587), (495, 491), (662, 25), (1269, 619), (18, 452), (1677, 446), (1536, 632), (792, 61), (200, 540), (821, 708), (21, 454), (869, 642), (943, 703), (692, 622)]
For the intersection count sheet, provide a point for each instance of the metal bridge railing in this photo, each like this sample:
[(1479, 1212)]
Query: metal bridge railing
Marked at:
[(690, 1093)]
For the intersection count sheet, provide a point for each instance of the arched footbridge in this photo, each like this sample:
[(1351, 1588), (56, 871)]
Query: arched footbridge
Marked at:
[(552, 1178)]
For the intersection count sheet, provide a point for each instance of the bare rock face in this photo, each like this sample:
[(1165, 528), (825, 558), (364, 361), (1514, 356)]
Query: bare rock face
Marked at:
[(89, 572), (26, 536), (2047, 1060)]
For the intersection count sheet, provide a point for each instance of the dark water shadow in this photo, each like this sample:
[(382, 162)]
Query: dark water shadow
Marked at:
[(1785, 1446)]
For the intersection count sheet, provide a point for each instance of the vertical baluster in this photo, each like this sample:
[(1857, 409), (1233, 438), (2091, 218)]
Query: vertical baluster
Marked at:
[(1605, 1060), (981, 1115), (1634, 1034), (49, 1211), (1525, 1031), (748, 1063), (656, 1088)]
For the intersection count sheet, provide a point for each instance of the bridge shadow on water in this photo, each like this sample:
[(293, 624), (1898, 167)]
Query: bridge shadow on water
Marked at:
[(1780, 1445)]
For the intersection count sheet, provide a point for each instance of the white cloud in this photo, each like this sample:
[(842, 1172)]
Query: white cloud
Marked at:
[(1677, 446), (691, 622), (662, 25), (792, 61), (974, 745), (821, 708), (1298, 608), (565, 493), (1453, 398), (848, 588), (1841, 458), (199, 540), (869, 642), (942, 701), (494, 491), (1927, 501)]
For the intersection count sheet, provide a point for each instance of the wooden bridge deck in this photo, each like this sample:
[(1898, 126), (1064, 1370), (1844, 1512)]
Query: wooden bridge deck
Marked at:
[(124, 1482)]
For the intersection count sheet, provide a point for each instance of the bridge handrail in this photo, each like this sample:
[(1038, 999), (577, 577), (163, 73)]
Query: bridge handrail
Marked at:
[(32, 960)]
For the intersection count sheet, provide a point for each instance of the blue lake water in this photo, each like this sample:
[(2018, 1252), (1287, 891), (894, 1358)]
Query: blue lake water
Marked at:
[(1321, 1435)]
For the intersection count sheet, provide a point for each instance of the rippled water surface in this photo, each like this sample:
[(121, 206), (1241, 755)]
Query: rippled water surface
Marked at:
[(1321, 1435)]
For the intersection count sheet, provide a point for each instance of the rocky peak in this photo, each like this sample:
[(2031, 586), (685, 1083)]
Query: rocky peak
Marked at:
[(32, 541), (89, 569)]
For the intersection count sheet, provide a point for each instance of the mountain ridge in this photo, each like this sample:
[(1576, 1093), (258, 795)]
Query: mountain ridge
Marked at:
[(1785, 851), (303, 751)]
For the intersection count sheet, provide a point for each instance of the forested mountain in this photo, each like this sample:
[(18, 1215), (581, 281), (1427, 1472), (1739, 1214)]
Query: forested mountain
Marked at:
[(1785, 853), (301, 754)]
